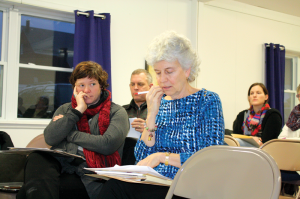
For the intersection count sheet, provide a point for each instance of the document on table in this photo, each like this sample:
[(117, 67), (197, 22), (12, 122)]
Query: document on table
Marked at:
[(132, 132)]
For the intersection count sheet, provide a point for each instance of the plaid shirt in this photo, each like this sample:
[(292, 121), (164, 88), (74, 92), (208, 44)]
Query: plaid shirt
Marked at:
[(134, 111)]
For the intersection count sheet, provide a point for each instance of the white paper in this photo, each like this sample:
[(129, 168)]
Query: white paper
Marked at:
[(130, 169), (132, 132)]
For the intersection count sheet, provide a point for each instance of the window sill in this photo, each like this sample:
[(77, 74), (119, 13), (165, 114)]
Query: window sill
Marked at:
[(24, 124)]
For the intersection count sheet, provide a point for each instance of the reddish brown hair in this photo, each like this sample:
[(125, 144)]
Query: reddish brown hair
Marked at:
[(89, 69)]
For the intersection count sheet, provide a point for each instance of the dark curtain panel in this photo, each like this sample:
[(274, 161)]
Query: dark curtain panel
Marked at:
[(92, 41), (275, 71)]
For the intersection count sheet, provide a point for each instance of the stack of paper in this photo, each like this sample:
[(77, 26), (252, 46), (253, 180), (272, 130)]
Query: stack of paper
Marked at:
[(131, 173)]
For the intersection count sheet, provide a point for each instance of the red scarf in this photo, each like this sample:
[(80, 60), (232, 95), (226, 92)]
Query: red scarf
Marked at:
[(93, 159)]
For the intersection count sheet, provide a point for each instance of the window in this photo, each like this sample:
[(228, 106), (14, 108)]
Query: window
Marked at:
[(1, 65), (291, 82), (39, 56), (44, 42)]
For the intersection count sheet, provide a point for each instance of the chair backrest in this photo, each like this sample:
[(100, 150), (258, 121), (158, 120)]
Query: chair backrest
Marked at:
[(285, 152), (231, 141), (38, 142), (229, 173)]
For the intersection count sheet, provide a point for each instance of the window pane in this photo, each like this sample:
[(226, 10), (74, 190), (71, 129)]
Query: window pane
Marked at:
[(288, 79), (1, 25), (41, 92), (1, 88), (289, 104), (46, 42)]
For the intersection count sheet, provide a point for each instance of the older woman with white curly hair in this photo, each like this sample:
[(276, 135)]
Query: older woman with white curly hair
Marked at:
[(181, 119)]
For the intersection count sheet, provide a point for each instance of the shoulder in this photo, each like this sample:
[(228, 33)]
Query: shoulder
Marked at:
[(126, 106), (207, 95), (273, 114), (64, 108), (114, 108), (242, 113)]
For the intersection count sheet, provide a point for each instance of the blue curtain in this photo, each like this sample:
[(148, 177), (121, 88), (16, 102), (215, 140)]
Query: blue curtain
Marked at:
[(92, 41), (275, 72)]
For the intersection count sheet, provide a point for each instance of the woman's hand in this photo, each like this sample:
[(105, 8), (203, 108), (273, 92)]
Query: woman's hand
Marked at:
[(153, 99), (258, 140), (57, 117), (152, 160), (81, 105)]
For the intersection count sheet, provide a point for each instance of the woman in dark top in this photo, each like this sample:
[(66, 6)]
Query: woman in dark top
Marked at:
[(260, 121)]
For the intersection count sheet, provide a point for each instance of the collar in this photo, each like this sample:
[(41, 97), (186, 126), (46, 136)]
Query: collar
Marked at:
[(135, 106)]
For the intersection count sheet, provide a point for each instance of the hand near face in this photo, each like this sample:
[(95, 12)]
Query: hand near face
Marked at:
[(138, 124), (153, 99), (81, 105), (152, 160)]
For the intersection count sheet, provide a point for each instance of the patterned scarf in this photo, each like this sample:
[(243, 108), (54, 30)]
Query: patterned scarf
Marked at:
[(93, 159), (294, 118), (254, 120)]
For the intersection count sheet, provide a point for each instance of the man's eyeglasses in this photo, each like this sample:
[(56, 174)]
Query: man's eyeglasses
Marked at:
[(298, 95)]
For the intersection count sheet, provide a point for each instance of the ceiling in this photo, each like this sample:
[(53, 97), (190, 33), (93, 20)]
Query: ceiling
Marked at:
[(291, 7)]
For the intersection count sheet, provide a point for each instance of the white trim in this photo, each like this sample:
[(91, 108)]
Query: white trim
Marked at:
[(255, 11), (41, 67), (24, 124), (44, 12), (12, 64)]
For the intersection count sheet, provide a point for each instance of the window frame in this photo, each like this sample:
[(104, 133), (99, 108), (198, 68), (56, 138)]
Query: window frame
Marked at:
[(296, 77), (11, 63)]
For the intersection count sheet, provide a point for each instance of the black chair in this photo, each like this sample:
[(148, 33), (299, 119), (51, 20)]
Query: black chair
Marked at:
[(128, 151), (12, 171), (5, 141)]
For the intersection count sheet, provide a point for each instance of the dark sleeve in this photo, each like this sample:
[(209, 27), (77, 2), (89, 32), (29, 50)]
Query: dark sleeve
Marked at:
[(238, 123), (271, 126)]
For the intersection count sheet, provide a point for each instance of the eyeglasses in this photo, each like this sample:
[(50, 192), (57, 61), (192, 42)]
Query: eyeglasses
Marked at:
[(298, 95)]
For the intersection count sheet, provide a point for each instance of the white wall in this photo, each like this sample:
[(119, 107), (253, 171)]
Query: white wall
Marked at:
[(134, 23), (230, 42)]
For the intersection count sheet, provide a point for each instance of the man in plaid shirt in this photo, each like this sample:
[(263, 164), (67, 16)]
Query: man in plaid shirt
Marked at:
[(141, 80)]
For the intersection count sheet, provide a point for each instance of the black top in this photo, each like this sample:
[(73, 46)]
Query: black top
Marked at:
[(271, 124)]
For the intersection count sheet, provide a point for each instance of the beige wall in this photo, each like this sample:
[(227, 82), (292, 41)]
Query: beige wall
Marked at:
[(134, 23), (231, 38), (230, 43)]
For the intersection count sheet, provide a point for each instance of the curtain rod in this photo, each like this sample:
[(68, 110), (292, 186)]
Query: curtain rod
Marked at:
[(281, 48), (88, 14)]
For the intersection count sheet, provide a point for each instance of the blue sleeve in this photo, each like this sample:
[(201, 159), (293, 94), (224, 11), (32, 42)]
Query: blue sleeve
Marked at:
[(211, 125)]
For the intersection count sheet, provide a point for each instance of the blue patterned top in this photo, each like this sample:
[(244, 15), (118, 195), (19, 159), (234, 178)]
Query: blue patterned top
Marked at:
[(184, 126)]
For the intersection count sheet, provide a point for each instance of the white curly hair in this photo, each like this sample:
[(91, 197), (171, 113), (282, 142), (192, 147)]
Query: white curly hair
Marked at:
[(170, 46)]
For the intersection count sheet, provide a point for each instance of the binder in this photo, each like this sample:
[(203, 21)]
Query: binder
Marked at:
[(27, 151), (246, 138)]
